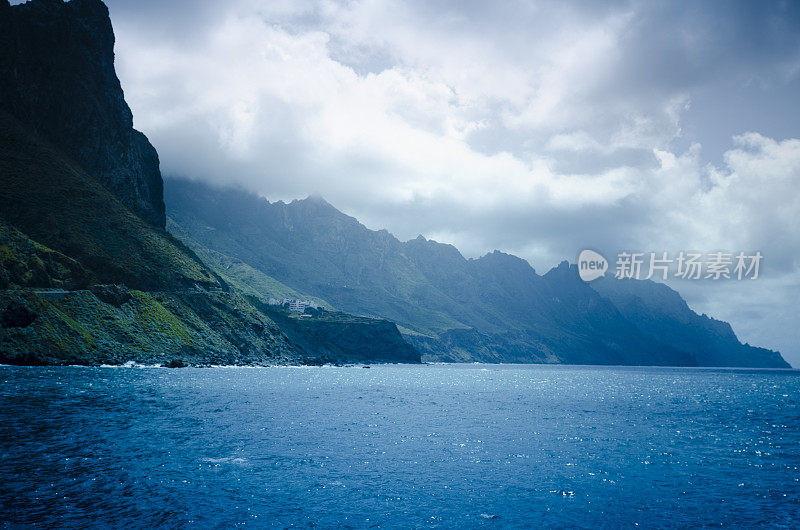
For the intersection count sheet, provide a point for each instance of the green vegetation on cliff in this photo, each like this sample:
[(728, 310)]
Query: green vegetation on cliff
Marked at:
[(75, 327), (240, 275), (26, 263)]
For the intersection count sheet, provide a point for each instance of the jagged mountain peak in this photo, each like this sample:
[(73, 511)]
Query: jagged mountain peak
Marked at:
[(563, 270), (500, 259), (433, 248), (316, 198)]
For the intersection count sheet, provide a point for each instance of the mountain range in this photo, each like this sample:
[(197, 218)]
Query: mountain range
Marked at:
[(495, 308), (102, 261)]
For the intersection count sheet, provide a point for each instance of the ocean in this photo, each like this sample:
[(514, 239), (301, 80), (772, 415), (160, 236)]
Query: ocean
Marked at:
[(399, 446)]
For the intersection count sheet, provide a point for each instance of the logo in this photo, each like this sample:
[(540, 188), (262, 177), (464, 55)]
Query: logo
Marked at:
[(591, 265), (684, 265)]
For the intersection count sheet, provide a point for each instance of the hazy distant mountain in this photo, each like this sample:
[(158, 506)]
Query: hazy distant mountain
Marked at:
[(495, 308), (660, 311)]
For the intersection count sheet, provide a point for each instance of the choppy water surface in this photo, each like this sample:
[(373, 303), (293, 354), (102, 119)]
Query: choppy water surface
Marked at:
[(399, 446)]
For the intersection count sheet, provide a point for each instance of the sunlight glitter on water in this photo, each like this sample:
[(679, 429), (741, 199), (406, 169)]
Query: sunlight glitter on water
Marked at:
[(432, 446)]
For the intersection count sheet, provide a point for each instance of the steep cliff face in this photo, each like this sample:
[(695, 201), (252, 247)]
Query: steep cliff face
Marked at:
[(342, 338), (57, 77), (659, 311), (53, 201)]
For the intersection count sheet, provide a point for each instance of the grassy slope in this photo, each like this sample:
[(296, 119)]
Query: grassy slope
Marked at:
[(54, 202), (238, 274), (332, 336), (152, 328), (26, 263)]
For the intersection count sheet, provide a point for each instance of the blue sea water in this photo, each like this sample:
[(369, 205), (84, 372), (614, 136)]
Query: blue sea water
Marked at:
[(437, 446)]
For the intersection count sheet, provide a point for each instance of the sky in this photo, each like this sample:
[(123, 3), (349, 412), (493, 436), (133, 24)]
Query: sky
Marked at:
[(535, 128)]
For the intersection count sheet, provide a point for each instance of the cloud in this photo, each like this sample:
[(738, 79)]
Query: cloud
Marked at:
[(400, 135)]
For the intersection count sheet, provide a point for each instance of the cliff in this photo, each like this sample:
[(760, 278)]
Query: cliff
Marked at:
[(659, 311), (57, 77), (342, 338)]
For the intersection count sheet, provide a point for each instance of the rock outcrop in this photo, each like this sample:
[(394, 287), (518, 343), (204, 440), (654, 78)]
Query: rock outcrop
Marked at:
[(57, 77), (341, 338), (116, 295)]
